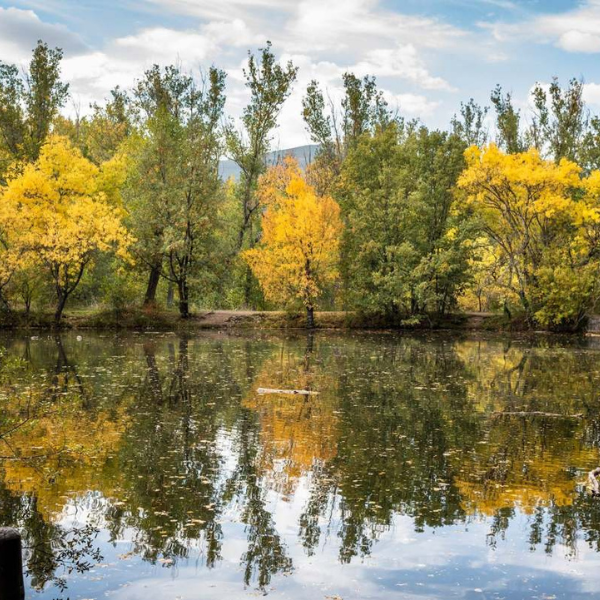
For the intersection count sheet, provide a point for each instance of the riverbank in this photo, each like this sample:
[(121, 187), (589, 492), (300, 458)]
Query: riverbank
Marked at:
[(164, 320)]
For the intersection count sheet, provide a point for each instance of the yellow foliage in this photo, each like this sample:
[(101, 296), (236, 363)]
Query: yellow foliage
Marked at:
[(61, 209), (64, 450), (297, 432), (537, 214), (274, 182), (299, 250), (522, 183)]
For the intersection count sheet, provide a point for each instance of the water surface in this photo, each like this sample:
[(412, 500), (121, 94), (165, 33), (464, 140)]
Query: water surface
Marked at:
[(147, 466)]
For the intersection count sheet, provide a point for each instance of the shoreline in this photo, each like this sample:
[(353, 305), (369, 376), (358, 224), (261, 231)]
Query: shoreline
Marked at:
[(169, 320)]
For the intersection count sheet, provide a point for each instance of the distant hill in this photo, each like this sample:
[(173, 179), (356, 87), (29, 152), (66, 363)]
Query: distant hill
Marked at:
[(303, 154)]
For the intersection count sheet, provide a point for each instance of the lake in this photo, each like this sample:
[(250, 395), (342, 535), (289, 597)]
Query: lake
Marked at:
[(147, 466)]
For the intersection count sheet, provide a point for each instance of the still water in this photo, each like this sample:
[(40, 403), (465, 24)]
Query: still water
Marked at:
[(147, 466)]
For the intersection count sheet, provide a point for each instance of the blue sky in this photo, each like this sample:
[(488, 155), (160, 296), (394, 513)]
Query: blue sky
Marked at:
[(427, 55)]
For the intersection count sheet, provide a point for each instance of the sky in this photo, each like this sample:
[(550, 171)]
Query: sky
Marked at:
[(427, 55)]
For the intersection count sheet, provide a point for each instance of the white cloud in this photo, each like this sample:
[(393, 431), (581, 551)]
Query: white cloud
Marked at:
[(575, 30), (319, 24), (235, 33), (579, 41), (403, 62), (351, 24), (21, 29), (222, 9), (161, 45), (591, 94), (123, 60), (412, 105), (324, 38)]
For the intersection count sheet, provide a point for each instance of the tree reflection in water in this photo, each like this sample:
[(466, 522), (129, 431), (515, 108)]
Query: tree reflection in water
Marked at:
[(164, 440)]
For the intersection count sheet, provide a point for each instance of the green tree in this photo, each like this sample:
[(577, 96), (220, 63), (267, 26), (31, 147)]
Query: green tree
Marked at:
[(560, 120), (269, 84), (404, 251), (338, 128), (508, 122), (158, 100), (108, 127), (174, 189), (30, 102), (190, 235), (470, 125)]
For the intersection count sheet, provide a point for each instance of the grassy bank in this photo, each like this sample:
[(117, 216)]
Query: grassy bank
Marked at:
[(169, 320)]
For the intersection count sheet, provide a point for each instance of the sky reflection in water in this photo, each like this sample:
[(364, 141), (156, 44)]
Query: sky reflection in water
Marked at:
[(401, 478)]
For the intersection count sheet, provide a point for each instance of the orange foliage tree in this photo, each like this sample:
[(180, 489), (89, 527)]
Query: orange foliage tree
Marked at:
[(299, 251)]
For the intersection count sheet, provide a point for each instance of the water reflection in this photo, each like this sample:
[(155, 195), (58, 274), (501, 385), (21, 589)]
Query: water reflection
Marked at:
[(158, 450)]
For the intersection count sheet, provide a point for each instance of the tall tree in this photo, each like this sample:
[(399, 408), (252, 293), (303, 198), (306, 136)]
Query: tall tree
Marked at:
[(269, 84), (174, 187), (560, 121), (160, 100), (29, 103), (508, 122), (403, 252), (590, 146), (108, 126), (337, 128), (299, 250), (470, 125), (190, 234)]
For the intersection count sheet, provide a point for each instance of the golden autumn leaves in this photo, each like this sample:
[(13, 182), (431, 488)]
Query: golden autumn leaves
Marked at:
[(299, 251), (542, 220), (60, 210), (57, 212), (539, 223)]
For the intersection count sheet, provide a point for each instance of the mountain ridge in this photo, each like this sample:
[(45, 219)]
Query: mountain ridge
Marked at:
[(303, 154)]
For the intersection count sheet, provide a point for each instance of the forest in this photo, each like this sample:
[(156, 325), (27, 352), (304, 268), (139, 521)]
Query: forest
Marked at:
[(124, 208)]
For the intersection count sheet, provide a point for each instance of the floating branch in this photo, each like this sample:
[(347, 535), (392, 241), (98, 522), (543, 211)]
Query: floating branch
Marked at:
[(536, 413), (292, 392)]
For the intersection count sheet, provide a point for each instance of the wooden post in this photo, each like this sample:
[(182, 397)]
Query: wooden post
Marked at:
[(11, 565)]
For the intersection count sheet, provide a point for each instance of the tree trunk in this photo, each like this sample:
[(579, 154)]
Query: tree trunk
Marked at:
[(593, 481), (310, 317), (170, 295), (184, 306), (248, 289), (153, 279), (153, 374), (60, 307)]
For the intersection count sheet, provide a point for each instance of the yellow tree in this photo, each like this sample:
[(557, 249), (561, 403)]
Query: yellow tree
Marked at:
[(11, 255), (63, 211), (528, 207), (299, 251), (489, 278)]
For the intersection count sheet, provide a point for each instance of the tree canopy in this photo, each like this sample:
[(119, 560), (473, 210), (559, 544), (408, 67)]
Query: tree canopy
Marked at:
[(394, 221)]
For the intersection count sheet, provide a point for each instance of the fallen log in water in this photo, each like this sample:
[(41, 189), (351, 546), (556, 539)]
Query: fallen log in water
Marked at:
[(593, 481), (535, 413), (293, 392)]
